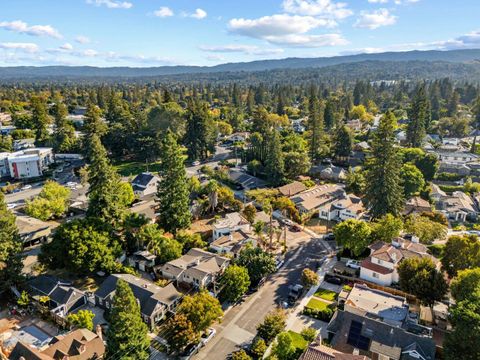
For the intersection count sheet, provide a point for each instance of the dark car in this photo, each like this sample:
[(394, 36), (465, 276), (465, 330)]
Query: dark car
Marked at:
[(189, 351), (329, 237), (333, 280)]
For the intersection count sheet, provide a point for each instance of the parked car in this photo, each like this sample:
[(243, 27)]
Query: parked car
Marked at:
[(196, 163), (295, 292), (333, 280), (190, 350), (279, 263), (208, 335), (353, 264), (27, 187), (329, 237), (295, 228)]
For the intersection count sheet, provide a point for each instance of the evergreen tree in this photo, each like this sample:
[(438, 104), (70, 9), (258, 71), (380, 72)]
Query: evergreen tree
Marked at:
[(274, 163), (452, 106), (127, 336), (343, 142), (329, 114), (64, 131), (173, 193), (419, 117), (384, 190), (315, 124), (106, 193), (200, 135), (40, 119), (10, 248)]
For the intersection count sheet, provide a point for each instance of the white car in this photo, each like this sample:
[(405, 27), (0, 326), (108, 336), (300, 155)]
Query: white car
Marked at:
[(71, 184), (208, 335), (27, 187), (196, 163), (12, 206), (353, 264)]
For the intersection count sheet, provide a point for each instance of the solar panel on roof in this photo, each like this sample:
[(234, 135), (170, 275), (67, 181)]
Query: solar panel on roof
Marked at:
[(355, 337)]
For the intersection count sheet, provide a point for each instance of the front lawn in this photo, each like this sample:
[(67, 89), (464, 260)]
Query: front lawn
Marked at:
[(297, 340), (135, 168), (326, 294), (317, 304)]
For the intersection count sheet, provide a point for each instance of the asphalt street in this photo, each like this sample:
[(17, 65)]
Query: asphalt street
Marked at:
[(239, 324)]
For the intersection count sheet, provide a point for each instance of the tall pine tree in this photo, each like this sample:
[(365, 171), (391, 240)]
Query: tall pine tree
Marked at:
[(10, 248), (200, 135), (419, 117), (274, 163), (127, 336), (173, 192), (384, 191), (106, 193), (315, 123), (40, 119)]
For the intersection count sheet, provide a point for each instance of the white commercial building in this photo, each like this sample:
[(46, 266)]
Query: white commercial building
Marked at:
[(29, 163)]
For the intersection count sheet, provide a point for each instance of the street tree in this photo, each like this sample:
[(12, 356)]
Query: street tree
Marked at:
[(179, 332), (353, 235), (234, 282), (309, 277), (258, 262), (201, 309), (272, 325), (52, 202)]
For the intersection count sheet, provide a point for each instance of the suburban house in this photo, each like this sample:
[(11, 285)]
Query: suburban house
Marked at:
[(355, 124), (347, 207), (318, 197), (29, 163), (381, 266), (317, 351), (155, 301), (197, 267), (230, 223), (380, 326), (417, 205), (239, 136), (32, 230), (142, 260), (292, 189), (245, 180), (145, 184), (63, 298), (457, 207), (146, 208), (330, 172), (456, 157), (233, 243), (436, 194), (7, 129), (80, 344)]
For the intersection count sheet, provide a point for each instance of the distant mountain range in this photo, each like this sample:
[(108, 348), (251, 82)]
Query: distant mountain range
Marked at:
[(466, 57)]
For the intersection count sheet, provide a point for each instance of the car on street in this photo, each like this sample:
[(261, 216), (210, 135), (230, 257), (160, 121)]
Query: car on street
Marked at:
[(208, 335), (12, 206), (279, 263), (329, 237), (190, 350), (71, 184), (295, 292), (196, 163), (295, 228), (27, 187), (353, 264)]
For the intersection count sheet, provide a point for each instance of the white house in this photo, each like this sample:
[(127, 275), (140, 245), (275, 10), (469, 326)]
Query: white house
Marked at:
[(145, 184), (347, 207), (233, 243), (458, 206), (381, 266), (29, 163), (230, 223), (239, 136), (318, 197), (456, 157)]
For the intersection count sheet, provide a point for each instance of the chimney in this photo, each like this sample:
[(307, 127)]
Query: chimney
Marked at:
[(82, 348), (98, 331), (356, 351), (394, 256)]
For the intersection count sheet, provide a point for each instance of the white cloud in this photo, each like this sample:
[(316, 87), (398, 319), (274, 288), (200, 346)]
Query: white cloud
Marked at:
[(28, 47), (324, 8), (22, 27), (82, 39), (163, 12), (309, 41), (237, 48), (378, 1), (375, 19), (67, 46), (199, 14), (89, 53), (400, 2), (215, 57), (111, 4), (277, 25)]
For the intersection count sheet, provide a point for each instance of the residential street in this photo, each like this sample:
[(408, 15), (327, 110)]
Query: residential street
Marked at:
[(239, 324)]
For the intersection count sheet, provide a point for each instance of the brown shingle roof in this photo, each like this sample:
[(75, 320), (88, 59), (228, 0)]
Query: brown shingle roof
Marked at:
[(292, 189), (367, 264)]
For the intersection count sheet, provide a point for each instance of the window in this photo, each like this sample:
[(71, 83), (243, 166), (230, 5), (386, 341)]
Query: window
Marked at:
[(375, 275)]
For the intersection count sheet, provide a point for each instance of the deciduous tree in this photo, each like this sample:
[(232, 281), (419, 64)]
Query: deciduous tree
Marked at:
[(201, 309), (234, 282), (353, 235)]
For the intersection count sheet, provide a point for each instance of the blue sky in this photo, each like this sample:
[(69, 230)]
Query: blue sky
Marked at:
[(208, 32)]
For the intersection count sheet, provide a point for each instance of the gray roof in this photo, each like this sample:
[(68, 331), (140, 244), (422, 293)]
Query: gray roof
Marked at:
[(147, 293), (59, 291), (371, 332), (143, 179)]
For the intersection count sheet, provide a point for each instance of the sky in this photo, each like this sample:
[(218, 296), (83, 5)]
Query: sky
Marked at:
[(143, 33)]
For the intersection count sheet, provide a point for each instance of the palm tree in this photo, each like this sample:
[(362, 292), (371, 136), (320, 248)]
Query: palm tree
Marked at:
[(258, 231)]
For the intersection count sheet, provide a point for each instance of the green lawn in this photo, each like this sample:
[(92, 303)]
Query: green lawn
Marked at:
[(317, 304), (298, 341), (326, 294), (135, 168)]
